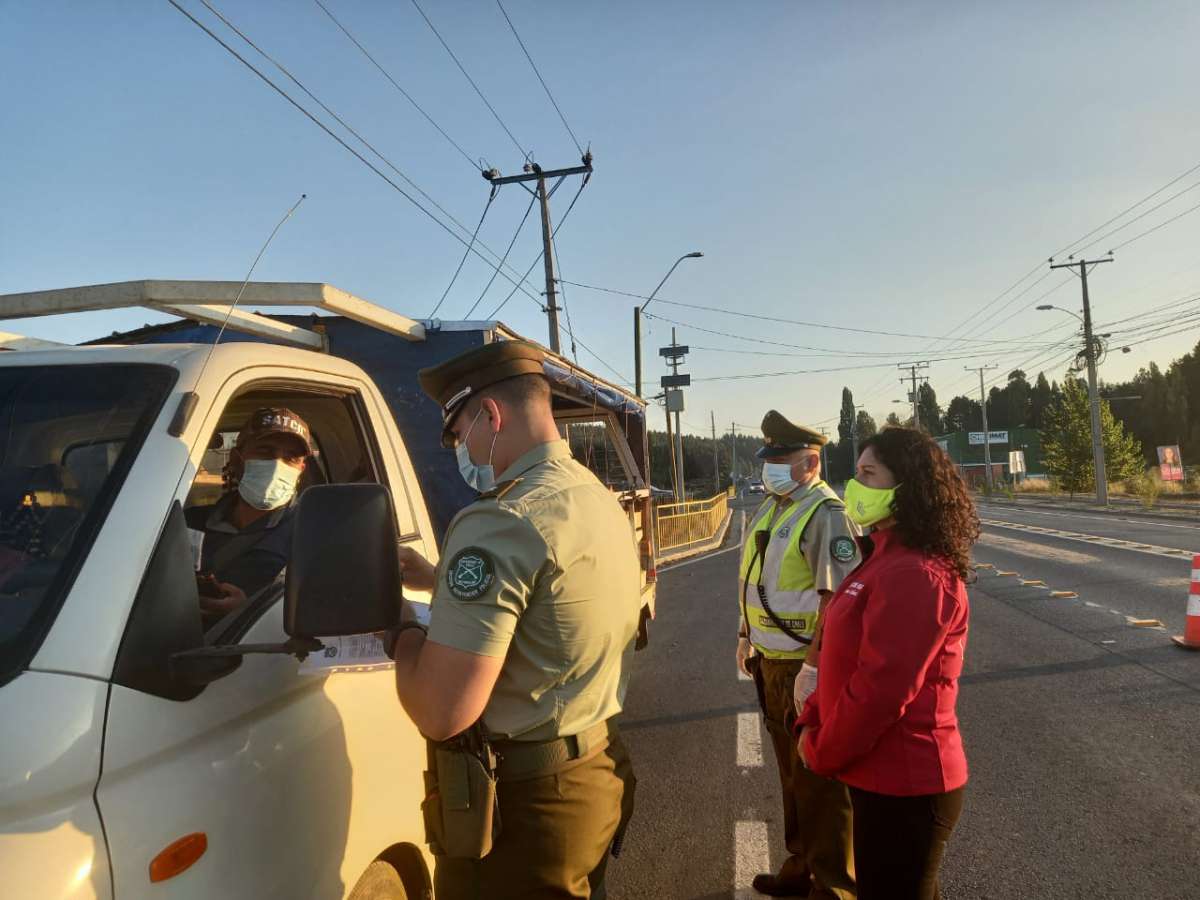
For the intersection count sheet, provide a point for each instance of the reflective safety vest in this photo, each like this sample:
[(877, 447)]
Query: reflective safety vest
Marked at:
[(784, 574)]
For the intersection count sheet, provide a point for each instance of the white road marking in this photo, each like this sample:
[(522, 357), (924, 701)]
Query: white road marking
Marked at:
[(751, 855), (1094, 540), (688, 562), (749, 741), (1061, 515)]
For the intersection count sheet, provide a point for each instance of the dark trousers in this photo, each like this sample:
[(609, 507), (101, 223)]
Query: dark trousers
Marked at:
[(816, 810), (899, 842), (555, 835)]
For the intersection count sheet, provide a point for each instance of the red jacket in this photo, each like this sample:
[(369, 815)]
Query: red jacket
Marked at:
[(882, 717)]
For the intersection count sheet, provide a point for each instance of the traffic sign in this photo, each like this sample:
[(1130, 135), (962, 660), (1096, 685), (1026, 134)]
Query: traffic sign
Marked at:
[(675, 381)]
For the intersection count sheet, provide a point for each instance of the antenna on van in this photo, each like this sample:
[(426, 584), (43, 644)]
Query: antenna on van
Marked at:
[(242, 289)]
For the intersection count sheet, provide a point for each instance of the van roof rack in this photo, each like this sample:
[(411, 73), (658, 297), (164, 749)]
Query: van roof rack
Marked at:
[(209, 302)]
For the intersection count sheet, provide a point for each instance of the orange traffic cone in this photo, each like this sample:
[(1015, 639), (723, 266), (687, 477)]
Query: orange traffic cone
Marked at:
[(1190, 639)]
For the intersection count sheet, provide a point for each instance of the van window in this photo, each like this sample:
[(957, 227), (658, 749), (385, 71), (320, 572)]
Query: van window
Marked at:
[(68, 435), (241, 553)]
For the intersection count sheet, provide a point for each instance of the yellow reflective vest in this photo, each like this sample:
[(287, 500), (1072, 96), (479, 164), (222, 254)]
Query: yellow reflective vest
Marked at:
[(784, 575)]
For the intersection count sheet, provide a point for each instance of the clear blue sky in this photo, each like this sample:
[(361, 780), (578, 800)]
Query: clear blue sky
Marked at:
[(890, 166)]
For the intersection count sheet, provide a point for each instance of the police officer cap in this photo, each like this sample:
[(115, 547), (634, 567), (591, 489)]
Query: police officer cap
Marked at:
[(781, 437), (271, 420), (452, 383)]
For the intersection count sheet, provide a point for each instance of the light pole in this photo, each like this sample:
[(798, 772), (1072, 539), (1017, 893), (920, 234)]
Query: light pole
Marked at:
[(1089, 351), (637, 321)]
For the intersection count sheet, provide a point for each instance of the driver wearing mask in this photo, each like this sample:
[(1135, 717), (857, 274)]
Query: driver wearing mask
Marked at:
[(247, 534)]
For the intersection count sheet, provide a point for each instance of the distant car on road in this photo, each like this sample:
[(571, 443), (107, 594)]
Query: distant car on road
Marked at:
[(756, 487)]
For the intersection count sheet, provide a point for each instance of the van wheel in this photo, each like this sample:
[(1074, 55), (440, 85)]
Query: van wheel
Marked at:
[(381, 881)]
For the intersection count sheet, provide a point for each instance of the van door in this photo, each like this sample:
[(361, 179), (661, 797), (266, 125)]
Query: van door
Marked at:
[(296, 781)]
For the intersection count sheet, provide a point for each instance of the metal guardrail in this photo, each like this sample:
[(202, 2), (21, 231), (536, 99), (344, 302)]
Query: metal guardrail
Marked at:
[(680, 524)]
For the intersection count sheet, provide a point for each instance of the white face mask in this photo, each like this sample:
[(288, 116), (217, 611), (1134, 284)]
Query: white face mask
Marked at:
[(481, 478), (777, 478), (268, 483)]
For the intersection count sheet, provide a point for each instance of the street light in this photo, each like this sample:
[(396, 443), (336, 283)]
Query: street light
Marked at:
[(637, 321)]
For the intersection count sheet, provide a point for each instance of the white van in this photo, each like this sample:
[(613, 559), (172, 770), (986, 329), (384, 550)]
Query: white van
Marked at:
[(146, 756)]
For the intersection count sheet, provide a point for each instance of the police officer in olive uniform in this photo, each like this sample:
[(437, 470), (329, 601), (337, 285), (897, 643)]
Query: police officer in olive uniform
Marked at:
[(799, 547), (534, 612)]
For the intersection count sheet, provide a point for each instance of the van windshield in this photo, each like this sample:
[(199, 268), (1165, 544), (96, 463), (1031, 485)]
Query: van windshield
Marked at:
[(68, 435)]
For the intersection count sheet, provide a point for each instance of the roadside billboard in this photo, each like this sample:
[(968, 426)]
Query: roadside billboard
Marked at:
[(1170, 464)]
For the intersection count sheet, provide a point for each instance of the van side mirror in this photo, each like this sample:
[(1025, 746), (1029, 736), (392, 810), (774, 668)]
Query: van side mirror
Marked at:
[(343, 577), (344, 573)]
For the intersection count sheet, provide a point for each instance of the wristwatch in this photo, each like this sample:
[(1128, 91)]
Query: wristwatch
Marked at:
[(393, 634)]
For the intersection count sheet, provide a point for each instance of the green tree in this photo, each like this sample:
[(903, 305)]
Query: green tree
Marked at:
[(928, 410), (964, 414), (866, 425), (1040, 398), (892, 421), (1067, 442)]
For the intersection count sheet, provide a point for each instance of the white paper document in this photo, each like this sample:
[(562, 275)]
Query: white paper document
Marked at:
[(355, 652)]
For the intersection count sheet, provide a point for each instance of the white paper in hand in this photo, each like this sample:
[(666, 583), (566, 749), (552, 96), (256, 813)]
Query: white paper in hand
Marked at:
[(355, 652)]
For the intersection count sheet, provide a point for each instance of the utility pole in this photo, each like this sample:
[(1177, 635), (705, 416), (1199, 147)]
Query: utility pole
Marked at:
[(854, 440), (733, 455), (912, 369), (1089, 349), (534, 172), (824, 469), (987, 435), (716, 457)]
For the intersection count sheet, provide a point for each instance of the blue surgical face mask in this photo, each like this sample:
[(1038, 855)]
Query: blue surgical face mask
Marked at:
[(268, 483), (481, 478)]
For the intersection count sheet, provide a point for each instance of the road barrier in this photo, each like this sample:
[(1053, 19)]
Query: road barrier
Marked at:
[(1190, 639), (679, 524)]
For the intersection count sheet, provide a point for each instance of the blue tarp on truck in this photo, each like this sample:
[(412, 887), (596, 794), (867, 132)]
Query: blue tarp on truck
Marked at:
[(393, 363)]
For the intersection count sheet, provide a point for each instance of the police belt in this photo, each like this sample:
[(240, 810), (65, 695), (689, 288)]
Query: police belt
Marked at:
[(523, 760)]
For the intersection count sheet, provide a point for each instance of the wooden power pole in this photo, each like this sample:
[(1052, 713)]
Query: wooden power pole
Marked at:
[(534, 172)]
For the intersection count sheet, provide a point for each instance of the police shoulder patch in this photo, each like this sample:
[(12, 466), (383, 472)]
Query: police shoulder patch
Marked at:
[(843, 548), (470, 574)]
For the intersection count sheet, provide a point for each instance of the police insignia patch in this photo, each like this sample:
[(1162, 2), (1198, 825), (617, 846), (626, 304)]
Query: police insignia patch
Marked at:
[(470, 574), (843, 548)]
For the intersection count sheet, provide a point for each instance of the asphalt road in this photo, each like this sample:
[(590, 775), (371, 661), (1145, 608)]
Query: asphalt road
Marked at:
[(1081, 728)]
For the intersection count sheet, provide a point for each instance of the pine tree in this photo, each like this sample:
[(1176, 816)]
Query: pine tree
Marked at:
[(1067, 442), (928, 410)]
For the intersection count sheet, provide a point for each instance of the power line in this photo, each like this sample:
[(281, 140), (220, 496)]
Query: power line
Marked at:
[(545, 87), (362, 159), (553, 235), (1148, 231), (1137, 218), (362, 140), (397, 86), (821, 351), (461, 68), (462, 262), (777, 319), (504, 259), (1129, 209)]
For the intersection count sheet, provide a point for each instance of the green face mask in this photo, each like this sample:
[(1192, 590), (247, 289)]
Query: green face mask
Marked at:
[(867, 505)]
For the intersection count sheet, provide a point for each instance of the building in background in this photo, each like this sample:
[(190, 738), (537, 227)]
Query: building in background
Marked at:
[(1008, 447)]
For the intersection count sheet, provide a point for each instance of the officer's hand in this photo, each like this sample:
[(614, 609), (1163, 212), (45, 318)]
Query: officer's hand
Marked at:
[(744, 652), (806, 683), (417, 570)]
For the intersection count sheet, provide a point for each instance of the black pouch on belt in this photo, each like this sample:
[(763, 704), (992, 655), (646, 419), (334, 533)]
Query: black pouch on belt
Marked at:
[(462, 820)]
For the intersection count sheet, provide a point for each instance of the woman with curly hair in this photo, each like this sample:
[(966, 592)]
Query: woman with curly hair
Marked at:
[(882, 719)]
